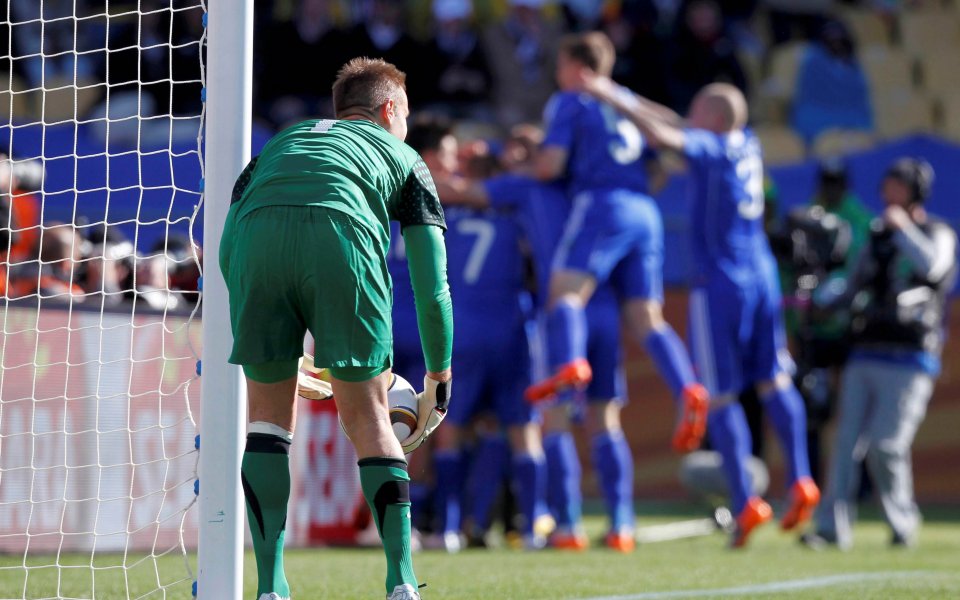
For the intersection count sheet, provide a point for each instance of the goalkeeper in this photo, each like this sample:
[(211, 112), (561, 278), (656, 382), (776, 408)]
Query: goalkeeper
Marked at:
[(304, 247)]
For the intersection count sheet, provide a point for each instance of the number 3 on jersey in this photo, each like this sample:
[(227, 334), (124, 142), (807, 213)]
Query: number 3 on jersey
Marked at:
[(750, 174), (484, 232), (627, 143)]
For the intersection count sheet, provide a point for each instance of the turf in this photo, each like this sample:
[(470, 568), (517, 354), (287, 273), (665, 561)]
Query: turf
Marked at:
[(654, 570)]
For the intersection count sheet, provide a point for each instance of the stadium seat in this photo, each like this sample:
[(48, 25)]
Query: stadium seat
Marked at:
[(839, 142), (783, 68), (14, 105), (926, 33), (887, 69), (950, 117), (780, 144), (939, 72), (64, 99), (902, 113), (867, 27)]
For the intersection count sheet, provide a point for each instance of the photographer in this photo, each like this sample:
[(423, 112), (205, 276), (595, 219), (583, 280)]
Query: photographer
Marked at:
[(897, 293)]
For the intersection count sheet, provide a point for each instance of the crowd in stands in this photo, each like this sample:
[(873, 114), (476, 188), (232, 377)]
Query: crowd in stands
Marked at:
[(809, 68)]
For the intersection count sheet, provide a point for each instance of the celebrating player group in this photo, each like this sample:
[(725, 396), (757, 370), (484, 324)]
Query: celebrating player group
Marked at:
[(548, 249)]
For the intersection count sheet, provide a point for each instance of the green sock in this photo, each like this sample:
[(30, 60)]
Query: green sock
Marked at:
[(265, 475), (386, 486)]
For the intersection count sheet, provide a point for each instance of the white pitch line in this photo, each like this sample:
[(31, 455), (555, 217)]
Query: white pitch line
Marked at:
[(772, 587)]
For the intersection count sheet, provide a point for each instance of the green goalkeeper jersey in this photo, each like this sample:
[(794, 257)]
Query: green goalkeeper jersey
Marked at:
[(355, 167)]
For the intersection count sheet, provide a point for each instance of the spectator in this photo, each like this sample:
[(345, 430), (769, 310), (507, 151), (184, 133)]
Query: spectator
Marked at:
[(640, 53), (381, 34), (701, 53), (284, 94), (52, 274), (898, 292), (788, 15), (46, 38), (832, 88), (20, 210), (461, 75), (522, 51)]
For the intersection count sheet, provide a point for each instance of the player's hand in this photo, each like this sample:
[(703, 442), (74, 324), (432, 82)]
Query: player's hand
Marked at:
[(432, 405), (310, 384)]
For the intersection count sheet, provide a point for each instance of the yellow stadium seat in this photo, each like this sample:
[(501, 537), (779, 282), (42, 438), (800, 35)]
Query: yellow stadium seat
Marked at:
[(867, 27), (780, 144), (15, 104), (887, 68), (783, 69), (839, 142), (902, 113), (63, 99), (940, 74), (950, 117), (927, 33)]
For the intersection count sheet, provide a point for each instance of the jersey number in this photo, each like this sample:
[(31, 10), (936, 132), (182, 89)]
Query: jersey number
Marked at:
[(627, 144), (485, 233), (750, 174)]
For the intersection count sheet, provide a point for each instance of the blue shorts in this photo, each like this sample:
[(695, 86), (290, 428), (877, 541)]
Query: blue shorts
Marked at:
[(736, 332), (491, 366), (407, 351), (618, 230)]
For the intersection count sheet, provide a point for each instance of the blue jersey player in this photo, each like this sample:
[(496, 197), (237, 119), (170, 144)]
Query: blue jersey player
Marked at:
[(613, 225), (486, 275), (735, 307), (542, 210)]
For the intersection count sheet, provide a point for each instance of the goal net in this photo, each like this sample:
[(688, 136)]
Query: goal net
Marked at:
[(100, 182)]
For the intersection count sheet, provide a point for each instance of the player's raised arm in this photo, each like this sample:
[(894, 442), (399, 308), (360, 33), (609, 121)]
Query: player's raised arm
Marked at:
[(661, 127)]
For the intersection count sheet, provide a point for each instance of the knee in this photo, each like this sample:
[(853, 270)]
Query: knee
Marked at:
[(645, 316), (780, 381), (604, 417), (525, 439), (556, 419)]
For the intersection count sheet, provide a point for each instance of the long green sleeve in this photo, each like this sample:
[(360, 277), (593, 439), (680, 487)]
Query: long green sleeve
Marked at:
[(427, 259)]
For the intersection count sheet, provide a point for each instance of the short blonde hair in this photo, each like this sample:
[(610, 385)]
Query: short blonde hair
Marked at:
[(366, 83)]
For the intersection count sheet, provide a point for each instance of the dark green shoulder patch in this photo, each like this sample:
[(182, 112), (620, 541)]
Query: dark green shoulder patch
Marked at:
[(243, 181), (418, 203)]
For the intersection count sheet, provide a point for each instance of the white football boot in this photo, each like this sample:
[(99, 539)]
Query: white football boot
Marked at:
[(404, 592), (272, 596)]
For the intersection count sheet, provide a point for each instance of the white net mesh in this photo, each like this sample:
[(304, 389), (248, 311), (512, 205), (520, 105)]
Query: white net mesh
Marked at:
[(100, 178)]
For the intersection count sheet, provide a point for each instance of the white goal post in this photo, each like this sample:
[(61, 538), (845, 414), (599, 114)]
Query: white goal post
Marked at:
[(223, 419), (107, 155)]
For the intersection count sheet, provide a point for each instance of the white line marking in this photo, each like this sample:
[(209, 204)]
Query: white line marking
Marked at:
[(773, 587)]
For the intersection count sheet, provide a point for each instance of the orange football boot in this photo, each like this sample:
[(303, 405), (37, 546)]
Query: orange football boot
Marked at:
[(575, 373), (755, 513), (804, 497), (693, 419), (567, 540), (621, 541)]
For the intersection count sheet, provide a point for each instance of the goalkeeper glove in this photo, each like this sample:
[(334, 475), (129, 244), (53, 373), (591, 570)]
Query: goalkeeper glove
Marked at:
[(432, 405), (310, 384)]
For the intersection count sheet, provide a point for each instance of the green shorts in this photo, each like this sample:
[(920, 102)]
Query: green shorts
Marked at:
[(290, 269)]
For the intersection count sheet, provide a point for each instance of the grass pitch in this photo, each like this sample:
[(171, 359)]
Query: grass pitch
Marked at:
[(695, 568)]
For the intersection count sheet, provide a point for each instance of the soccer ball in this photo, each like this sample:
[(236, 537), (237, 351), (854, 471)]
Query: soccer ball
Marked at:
[(404, 408)]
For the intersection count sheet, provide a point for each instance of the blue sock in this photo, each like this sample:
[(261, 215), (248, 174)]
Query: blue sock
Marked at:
[(789, 417), (670, 355), (613, 460), (566, 333), (730, 436), (563, 478), (529, 481), (486, 476), (448, 467)]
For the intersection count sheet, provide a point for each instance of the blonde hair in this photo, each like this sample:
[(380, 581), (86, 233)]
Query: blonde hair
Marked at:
[(366, 83)]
